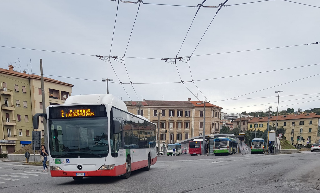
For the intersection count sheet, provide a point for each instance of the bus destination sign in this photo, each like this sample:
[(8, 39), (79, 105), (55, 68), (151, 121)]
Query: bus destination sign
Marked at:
[(62, 112)]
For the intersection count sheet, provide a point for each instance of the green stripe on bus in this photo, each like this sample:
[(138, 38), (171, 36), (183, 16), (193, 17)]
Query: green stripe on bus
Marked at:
[(256, 150), (221, 151)]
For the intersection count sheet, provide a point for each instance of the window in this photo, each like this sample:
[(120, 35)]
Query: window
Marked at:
[(25, 104), (55, 94), (140, 112), (310, 130), (180, 113), (16, 88), (19, 117), (155, 113), (186, 125), (292, 131), (17, 103), (216, 114), (171, 113), (291, 138), (7, 117), (201, 124), (170, 125), (179, 125), (284, 124), (187, 113), (186, 136), (40, 91), (162, 125), (24, 90), (26, 118), (20, 132), (309, 138), (9, 132), (201, 113), (310, 123), (243, 123), (277, 124), (4, 86), (162, 136), (6, 103), (27, 133), (64, 95), (41, 119), (301, 130), (293, 123), (301, 123), (40, 105), (250, 125), (163, 113), (179, 136), (200, 134)]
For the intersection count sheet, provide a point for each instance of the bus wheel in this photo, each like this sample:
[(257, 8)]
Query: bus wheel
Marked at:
[(128, 169), (149, 164), (78, 178)]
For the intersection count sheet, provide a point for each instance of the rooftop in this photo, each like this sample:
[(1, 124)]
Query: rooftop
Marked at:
[(158, 103), (284, 117), (11, 72)]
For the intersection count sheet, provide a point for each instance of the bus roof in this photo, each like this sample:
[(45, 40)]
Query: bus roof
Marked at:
[(95, 99), (198, 140), (257, 139)]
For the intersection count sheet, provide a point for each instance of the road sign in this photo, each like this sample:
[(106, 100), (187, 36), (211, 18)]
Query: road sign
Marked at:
[(36, 140)]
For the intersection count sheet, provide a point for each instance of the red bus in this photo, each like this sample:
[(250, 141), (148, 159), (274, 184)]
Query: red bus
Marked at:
[(195, 147)]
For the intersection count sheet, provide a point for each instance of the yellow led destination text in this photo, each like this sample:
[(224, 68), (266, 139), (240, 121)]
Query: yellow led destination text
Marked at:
[(77, 113)]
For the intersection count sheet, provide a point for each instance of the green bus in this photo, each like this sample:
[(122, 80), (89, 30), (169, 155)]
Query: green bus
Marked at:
[(224, 145), (257, 145)]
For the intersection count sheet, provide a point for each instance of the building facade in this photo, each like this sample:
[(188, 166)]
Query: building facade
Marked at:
[(241, 123), (18, 104), (179, 120), (300, 128)]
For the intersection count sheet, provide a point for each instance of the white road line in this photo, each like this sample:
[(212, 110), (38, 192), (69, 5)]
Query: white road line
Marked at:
[(26, 174), (33, 172), (2, 182)]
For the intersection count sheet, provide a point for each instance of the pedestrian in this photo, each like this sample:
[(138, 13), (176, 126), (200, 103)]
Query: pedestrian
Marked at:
[(174, 152), (44, 154)]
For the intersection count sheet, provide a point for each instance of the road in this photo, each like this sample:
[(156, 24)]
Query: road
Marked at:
[(298, 172)]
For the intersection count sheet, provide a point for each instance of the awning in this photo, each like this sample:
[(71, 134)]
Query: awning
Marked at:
[(25, 142)]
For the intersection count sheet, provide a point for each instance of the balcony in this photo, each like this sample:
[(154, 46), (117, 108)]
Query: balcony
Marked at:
[(5, 91), (10, 123), (8, 108), (12, 139)]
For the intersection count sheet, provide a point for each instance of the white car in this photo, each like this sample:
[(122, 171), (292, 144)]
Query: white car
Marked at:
[(315, 147)]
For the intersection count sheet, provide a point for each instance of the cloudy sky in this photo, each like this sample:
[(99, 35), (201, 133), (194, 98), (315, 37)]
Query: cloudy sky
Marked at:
[(86, 27)]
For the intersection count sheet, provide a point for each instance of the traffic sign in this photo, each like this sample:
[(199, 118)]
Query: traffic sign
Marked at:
[(36, 140)]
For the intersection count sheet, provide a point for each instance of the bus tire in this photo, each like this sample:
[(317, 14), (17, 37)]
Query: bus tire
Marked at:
[(78, 178), (128, 169), (149, 164)]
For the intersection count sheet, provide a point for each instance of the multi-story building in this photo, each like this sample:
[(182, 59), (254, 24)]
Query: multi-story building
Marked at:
[(300, 128), (241, 123), (179, 120), (18, 99)]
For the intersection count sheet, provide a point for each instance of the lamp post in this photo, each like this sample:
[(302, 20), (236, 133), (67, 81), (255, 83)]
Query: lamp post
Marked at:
[(107, 82)]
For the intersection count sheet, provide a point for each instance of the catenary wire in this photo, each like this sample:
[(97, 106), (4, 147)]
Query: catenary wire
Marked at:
[(301, 3)]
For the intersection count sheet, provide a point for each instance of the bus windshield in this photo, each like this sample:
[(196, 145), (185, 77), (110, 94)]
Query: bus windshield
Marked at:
[(171, 147), (78, 137), (194, 145), (257, 143), (220, 143)]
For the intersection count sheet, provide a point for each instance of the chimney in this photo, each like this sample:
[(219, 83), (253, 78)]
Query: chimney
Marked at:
[(189, 99), (11, 68)]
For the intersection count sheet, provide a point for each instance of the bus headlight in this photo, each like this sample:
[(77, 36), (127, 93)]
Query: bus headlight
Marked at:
[(107, 167), (55, 168)]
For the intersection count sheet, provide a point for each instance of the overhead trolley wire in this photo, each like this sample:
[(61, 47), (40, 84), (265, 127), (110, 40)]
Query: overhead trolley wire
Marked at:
[(194, 6), (126, 49), (301, 3), (152, 58), (112, 38)]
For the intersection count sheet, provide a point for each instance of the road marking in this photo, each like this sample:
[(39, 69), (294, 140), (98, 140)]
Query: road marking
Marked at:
[(26, 174), (33, 172), (2, 182)]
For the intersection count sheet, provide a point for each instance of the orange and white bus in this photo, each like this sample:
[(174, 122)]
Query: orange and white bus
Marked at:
[(95, 135)]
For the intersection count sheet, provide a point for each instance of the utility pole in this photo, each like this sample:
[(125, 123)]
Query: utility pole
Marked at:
[(268, 128), (107, 82), (159, 132), (44, 107), (204, 128), (277, 92), (255, 131)]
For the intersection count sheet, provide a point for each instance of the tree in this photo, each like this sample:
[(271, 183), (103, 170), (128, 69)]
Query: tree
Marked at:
[(225, 130), (290, 110)]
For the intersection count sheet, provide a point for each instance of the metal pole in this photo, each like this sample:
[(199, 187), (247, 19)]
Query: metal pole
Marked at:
[(159, 132), (204, 128), (43, 107), (268, 131), (107, 85)]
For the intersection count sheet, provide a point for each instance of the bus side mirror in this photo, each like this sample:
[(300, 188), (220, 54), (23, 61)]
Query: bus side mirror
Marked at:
[(35, 119)]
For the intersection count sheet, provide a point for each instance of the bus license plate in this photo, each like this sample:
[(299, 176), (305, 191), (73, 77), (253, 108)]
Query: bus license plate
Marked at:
[(79, 174)]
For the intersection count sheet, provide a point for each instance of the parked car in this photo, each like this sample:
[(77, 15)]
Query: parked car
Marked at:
[(315, 147)]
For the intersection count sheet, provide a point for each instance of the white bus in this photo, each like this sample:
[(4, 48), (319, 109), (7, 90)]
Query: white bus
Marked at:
[(94, 135), (176, 147)]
